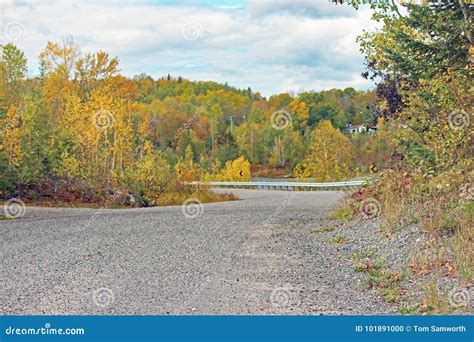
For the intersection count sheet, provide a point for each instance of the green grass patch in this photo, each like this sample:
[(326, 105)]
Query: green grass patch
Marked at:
[(341, 214), (325, 229), (340, 239), (357, 256), (386, 282), (410, 310)]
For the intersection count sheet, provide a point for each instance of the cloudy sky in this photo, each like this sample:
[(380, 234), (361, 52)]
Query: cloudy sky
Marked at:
[(271, 46)]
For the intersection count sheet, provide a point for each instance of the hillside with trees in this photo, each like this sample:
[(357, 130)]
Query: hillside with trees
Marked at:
[(80, 120)]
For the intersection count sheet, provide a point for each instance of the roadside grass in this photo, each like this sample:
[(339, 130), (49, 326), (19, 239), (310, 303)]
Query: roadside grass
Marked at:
[(357, 256), (435, 302), (410, 310), (393, 215), (416, 309), (449, 221), (428, 258), (387, 283), (463, 244), (324, 229), (342, 213), (442, 208)]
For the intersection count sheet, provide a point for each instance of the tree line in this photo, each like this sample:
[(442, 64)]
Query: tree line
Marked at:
[(79, 118)]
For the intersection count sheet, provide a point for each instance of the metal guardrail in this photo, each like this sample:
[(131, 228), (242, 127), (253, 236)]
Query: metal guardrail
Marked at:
[(283, 185)]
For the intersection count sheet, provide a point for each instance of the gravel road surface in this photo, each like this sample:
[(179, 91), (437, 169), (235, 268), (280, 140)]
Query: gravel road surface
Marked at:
[(253, 256)]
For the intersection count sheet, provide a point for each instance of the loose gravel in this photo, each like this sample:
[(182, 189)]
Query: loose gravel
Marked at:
[(255, 256)]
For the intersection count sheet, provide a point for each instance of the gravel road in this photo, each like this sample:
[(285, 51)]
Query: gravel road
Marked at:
[(253, 256)]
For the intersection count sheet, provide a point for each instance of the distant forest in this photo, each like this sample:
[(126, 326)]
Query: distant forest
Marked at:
[(81, 119)]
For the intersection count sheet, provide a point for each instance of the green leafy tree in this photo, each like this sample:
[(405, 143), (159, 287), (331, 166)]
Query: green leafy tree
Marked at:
[(287, 149), (12, 73)]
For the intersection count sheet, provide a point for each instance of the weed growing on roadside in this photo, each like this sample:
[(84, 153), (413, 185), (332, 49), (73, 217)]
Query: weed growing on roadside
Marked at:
[(325, 229), (340, 239), (342, 213)]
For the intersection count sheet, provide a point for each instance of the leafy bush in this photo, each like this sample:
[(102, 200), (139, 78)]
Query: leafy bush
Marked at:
[(234, 171)]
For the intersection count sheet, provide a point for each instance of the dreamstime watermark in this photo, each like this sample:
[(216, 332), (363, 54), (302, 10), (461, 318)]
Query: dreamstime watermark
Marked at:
[(13, 31), (46, 330), (103, 119), (282, 297), (459, 119), (370, 208), (192, 208), (14, 208), (281, 119), (103, 297), (459, 297), (185, 127), (193, 30)]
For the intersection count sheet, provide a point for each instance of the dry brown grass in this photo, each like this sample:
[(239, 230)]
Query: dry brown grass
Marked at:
[(463, 247), (444, 216)]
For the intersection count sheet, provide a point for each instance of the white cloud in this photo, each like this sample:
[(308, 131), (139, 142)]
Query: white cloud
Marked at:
[(269, 46), (309, 8)]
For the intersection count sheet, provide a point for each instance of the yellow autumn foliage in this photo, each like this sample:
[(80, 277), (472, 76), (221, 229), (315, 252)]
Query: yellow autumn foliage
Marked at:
[(151, 174), (187, 170), (237, 170), (11, 136), (329, 157)]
